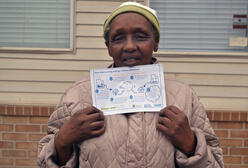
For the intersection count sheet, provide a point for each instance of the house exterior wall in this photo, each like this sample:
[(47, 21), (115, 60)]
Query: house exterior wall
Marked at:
[(31, 84)]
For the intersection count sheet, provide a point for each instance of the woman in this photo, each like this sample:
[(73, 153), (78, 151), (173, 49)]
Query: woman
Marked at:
[(180, 135)]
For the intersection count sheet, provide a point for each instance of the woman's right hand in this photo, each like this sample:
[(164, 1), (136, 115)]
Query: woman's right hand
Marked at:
[(84, 124)]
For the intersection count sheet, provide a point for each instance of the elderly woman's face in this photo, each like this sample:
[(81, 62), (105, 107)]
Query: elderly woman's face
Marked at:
[(131, 40)]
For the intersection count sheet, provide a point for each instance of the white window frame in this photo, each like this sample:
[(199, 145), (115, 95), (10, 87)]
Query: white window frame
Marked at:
[(50, 50), (197, 53)]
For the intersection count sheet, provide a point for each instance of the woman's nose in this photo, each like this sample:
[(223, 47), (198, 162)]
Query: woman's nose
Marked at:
[(130, 45)]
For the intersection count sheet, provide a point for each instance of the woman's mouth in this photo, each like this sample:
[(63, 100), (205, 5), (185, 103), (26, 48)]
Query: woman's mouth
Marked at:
[(131, 61)]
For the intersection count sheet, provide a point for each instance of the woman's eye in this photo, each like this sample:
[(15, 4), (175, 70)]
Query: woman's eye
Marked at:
[(140, 36), (117, 38)]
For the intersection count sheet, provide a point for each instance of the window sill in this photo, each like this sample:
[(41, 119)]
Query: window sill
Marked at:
[(36, 50)]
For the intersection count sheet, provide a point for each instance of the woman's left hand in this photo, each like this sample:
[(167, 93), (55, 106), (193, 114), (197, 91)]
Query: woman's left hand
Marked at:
[(174, 124)]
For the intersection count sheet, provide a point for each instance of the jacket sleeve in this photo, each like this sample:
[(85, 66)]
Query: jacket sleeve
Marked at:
[(208, 153), (46, 148)]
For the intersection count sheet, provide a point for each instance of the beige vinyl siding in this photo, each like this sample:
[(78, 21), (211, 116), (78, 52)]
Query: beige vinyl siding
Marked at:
[(32, 78)]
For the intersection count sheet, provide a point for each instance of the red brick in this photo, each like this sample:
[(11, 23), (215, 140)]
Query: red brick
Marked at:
[(36, 137), (27, 128), (235, 116), (27, 110), (14, 136), (32, 154), (230, 142), (239, 151), (225, 150), (9, 167), (239, 134), (230, 125), (237, 166), (36, 111), (44, 128), (10, 110), (5, 144), (19, 110), (246, 125), (213, 124), (14, 120), (6, 127), (243, 116), (7, 162), (38, 120), (26, 162), (14, 153), (210, 115), (226, 116), (217, 116), (27, 145), (44, 111), (246, 142), (51, 110), (232, 159), (246, 160), (221, 133), (2, 109)]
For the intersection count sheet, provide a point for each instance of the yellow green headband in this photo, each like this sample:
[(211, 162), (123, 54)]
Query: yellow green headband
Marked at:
[(147, 12)]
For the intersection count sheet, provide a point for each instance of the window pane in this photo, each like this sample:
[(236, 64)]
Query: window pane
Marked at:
[(200, 25), (35, 23)]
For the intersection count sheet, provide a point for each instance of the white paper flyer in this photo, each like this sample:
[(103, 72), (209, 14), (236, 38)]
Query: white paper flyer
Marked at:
[(128, 89)]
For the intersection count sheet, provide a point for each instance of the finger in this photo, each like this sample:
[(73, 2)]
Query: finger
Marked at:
[(180, 116), (99, 131), (165, 121), (87, 110), (101, 115), (163, 128), (95, 117), (96, 125), (92, 110), (168, 113), (162, 111), (170, 132), (175, 109)]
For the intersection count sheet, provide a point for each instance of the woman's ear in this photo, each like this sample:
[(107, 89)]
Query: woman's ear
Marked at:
[(109, 51), (155, 49), (107, 44)]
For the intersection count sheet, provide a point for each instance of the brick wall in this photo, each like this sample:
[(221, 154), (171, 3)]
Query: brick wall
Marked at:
[(21, 127), (232, 130)]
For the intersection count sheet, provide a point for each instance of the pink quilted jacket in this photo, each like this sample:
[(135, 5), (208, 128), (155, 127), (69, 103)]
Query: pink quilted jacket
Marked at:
[(132, 141)]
